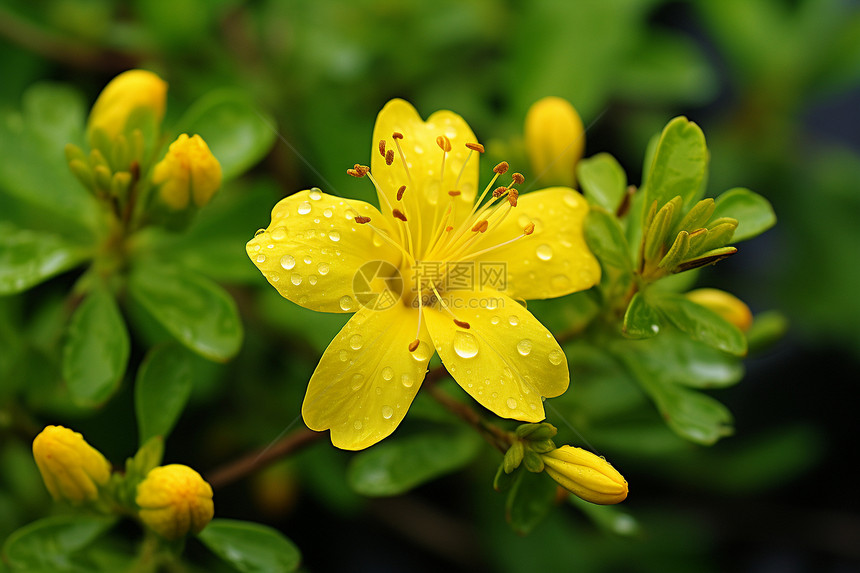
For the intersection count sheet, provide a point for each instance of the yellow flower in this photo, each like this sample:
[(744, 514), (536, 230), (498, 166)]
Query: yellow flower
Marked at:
[(174, 500), (403, 271), (585, 475), (728, 306), (124, 94), (189, 170), (71, 468), (555, 139)]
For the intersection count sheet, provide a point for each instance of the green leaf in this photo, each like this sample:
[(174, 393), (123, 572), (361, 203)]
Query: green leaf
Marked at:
[(529, 501), (700, 323), (606, 239), (49, 544), (161, 391), (680, 164), (602, 180), (237, 133), (28, 258), (610, 518), (95, 353), (250, 547), (641, 319), (199, 313), (400, 464), (752, 211)]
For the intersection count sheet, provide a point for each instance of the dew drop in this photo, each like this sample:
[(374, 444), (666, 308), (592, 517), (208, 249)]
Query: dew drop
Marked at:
[(494, 320), (322, 269), (387, 412), (357, 425), (346, 303), (355, 341), (328, 213), (312, 280), (334, 236), (279, 234), (304, 208), (544, 252), (465, 345), (315, 194), (296, 279), (556, 357), (407, 380), (256, 248), (307, 259), (259, 232), (261, 258), (513, 320), (387, 373), (423, 352), (511, 403), (524, 346), (288, 262), (343, 355), (356, 381)]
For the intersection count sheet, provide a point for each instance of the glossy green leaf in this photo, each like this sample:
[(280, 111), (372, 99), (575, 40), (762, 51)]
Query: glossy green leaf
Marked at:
[(28, 258), (679, 166), (700, 323), (238, 134), (606, 240), (50, 544), (162, 389), (752, 211), (602, 180), (95, 353), (641, 319), (529, 501), (397, 465), (251, 547), (199, 313)]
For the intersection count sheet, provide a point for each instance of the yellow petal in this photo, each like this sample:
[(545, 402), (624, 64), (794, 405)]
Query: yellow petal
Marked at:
[(506, 359), (426, 196), (313, 248), (554, 260), (367, 377)]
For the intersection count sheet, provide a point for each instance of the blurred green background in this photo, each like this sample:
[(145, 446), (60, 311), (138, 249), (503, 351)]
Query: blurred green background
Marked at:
[(775, 85)]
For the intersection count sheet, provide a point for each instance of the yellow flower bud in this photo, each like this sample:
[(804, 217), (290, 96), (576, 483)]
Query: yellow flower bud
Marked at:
[(188, 170), (174, 500), (123, 95), (585, 475), (555, 140), (728, 306), (71, 468)]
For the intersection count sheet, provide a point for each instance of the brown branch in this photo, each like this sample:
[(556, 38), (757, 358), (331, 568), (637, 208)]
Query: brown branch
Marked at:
[(257, 460)]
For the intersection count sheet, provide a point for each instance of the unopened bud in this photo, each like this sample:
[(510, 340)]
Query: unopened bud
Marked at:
[(175, 500), (585, 475), (555, 139), (125, 94), (189, 170), (71, 468), (728, 306)]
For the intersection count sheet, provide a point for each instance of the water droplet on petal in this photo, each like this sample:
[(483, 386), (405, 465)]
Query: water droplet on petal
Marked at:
[(556, 357), (524, 346), (312, 280), (259, 232), (356, 381), (465, 345), (288, 262), (261, 258), (494, 320), (513, 320), (407, 380), (343, 355), (356, 425), (544, 252), (315, 194), (346, 303), (304, 208), (511, 403), (328, 213), (279, 234), (423, 352), (322, 269), (296, 279), (307, 259), (334, 236), (387, 412), (355, 341), (387, 373)]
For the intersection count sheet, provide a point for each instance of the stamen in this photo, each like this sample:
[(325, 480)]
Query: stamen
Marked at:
[(475, 147), (499, 191), (382, 147), (513, 195), (472, 148), (396, 135), (449, 228), (454, 193), (518, 178), (361, 220), (398, 214), (529, 229), (389, 157), (400, 192), (501, 168), (355, 173), (462, 324), (413, 346), (444, 143), (481, 226)]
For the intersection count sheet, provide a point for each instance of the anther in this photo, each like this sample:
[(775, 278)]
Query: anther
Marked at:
[(501, 168), (449, 228), (499, 191), (529, 229), (481, 226), (398, 214), (389, 157), (400, 192), (518, 178), (361, 169), (453, 193), (355, 172), (475, 147), (397, 135), (513, 195), (444, 143), (462, 324), (361, 220), (382, 147), (413, 346)]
